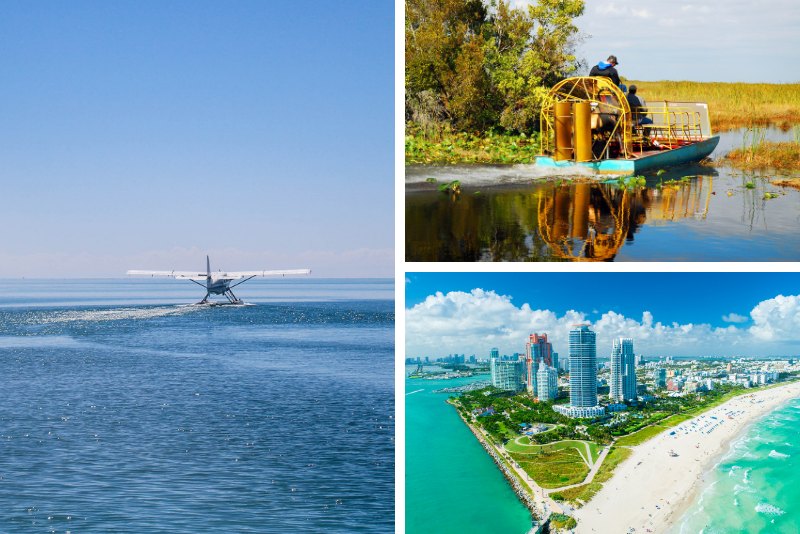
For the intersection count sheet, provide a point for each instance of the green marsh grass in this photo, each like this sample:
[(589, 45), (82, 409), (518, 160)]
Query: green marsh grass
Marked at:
[(731, 105)]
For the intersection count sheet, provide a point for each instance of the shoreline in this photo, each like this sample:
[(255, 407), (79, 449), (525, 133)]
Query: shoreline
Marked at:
[(643, 493), (716, 459), (516, 485)]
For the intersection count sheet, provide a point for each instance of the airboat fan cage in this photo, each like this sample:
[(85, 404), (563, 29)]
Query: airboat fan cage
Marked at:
[(582, 116), (586, 120)]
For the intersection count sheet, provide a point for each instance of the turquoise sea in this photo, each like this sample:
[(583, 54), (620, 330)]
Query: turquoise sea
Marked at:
[(452, 485), (755, 487)]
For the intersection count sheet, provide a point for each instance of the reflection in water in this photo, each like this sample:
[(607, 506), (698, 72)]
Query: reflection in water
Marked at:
[(558, 221), (518, 217)]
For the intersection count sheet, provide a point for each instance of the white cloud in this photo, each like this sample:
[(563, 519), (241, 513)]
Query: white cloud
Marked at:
[(713, 38), (609, 9), (474, 322), (735, 318), (777, 319)]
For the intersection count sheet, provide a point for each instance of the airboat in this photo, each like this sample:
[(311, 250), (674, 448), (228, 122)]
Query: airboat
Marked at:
[(587, 122)]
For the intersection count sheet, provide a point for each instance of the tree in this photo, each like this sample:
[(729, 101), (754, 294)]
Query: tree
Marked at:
[(473, 66)]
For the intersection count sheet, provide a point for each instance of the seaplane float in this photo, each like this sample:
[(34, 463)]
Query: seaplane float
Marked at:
[(587, 122)]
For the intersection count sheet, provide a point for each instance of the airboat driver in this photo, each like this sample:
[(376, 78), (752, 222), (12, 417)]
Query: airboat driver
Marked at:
[(606, 69)]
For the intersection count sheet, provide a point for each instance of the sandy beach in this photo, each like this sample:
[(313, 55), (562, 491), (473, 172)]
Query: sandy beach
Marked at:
[(652, 489)]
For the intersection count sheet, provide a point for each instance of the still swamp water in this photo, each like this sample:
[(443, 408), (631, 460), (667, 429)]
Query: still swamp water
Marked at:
[(524, 213)]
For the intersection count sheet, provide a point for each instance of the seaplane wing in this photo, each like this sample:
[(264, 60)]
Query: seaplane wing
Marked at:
[(244, 274), (176, 274), (217, 283)]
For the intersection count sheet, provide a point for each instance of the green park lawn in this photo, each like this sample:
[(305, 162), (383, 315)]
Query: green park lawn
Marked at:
[(553, 469)]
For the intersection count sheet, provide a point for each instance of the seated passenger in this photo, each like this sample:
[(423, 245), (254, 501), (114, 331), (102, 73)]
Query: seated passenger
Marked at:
[(635, 102), (640, 117), (606, 69)]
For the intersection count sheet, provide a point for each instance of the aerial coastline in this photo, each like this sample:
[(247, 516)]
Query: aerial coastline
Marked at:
[(639, 493), (643, 498), (591, 425)]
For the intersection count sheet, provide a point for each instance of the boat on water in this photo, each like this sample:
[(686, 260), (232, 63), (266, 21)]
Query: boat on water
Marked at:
[(587, 122)]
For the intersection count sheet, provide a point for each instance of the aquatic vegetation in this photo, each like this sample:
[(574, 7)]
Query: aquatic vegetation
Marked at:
[(431, 180), (631, 181), (448, 148), (787, 182), (766, 155), (454, 186), (731, 104), (770, 195)]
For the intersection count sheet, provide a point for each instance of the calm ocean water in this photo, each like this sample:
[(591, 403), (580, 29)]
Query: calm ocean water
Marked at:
[(123, 409), (755, 488), (452, 485)]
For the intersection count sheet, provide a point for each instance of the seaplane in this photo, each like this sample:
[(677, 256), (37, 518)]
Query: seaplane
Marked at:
[(218, 283)]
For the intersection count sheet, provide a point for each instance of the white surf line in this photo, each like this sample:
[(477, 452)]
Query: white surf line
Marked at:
[(415, 391)]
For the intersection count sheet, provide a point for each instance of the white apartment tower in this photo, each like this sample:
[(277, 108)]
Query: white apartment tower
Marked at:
[(582, 367), (547, 383)]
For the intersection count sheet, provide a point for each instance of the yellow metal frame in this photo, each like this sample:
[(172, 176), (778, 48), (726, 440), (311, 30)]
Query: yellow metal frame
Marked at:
[(583, 89), (679, 124)]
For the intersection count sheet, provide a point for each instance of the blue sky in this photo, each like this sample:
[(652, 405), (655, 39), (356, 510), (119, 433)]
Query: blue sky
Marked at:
[(147, 134), (679, 314), (713, 40)]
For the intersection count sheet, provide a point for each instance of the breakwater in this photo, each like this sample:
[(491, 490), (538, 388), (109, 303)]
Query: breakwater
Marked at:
[(512, 478), (480, 384)]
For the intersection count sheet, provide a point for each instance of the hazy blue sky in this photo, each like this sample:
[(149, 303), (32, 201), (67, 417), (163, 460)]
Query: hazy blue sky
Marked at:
[(665, 313), (147, 134), (713, 40)]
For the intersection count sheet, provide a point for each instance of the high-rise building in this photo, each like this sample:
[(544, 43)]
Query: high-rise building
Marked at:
[(547, 383), (539, 353), (623, 370), (582, 367), (494, 353), (507, 375), (661, 378), (555, 361)]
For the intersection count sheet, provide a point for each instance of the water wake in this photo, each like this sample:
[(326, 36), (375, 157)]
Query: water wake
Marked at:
[(495, 174), (116, 314)]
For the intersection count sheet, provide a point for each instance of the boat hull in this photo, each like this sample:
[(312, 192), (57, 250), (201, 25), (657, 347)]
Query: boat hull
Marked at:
[(678, 156)]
